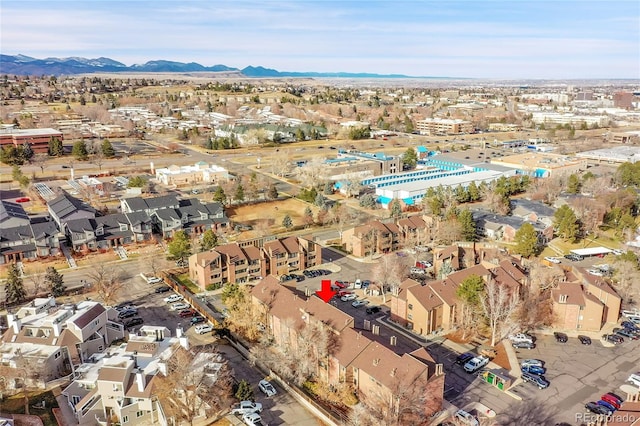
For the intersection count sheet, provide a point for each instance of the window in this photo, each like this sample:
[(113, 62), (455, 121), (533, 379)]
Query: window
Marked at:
[(75, 399), (410, 316), (56, 355), (139, 414), (125, 419), (410, 307)]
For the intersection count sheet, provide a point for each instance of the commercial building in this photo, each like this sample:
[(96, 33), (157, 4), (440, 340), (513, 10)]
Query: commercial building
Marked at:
[(618, 154), (38, 139), (443, 126), (538, 164), (199, 173)]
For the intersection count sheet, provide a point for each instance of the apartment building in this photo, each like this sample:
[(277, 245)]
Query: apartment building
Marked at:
[(36, 239), (105, 232), (383, 380), (119, 384), (443, 126), (247, 261), (372, 237), (199, 173), (584, 302), (64, 208), (56, 339)]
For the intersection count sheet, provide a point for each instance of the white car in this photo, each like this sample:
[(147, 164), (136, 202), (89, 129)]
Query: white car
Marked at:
[(247, 407), (178, 306), (520, 337), (154, 280), (173, 298), (634, 379), (466, 419), (531, 362), (348, 297), (203, 328), (358, 303), (253, 419), (617, 252), (267, 388), (595, 272), (552, 259)]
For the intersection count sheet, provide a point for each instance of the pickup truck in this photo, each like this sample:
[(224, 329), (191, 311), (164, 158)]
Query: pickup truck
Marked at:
[(476, 364), (245, 407)]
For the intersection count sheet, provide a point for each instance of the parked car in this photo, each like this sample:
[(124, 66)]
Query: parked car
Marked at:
[(348, 297), (463, 358), (245, 407), (188, 313), (178, 306), (629, 325), (196, 320), (341, 284), (253, 419), (585, 340), (552, 259), (531, 362), (344, 293), (173, 298), (533, 369), (596, 272), (560, 337), (634, 379), (23, 200), (373, 309), (537, 380), (523, 345), (133, 322), (574, 257), (595, 408), (365, 284), (611, 400), (127, 314), (203, 328), (520, 337), (153, 280), (614, 397), (475, 364), (465, 418), (267, 388), (625, 332), (162, 289), (358, 303), (607, 405), (613, 338)]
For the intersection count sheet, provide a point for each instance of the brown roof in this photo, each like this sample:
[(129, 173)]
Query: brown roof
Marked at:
[(142, 347), (206, 257), (426, 296), (113, 374), (512, 268), (350, 345), (596, 285), (275, 247), (382, 227), (459, 276), (404, 286), (446, 252), (392, 227), (446, 290), (233, 251), (132, 391), (627, 415), (573, 291), (83, 320), (502, 277), (425, 357), (291, 244), (388, 368), (413, 222), (252, 252)]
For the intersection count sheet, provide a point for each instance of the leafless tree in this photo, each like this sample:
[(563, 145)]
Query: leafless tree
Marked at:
[(309, 174), (244, 317), (448, 231), (197, 383), (498, 305), (542, 277), (98, 158), (281, 163), (107, 282), (25, 375), (626, 281), (40, 160), (389, 272), (37, 280)]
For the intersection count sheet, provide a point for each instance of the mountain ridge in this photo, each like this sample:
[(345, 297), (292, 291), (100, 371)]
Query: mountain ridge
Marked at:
[(26, 65)]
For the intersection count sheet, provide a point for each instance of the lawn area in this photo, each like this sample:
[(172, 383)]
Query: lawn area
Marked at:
[(184, 280), (607, 240), (266, 218), (15, 405)]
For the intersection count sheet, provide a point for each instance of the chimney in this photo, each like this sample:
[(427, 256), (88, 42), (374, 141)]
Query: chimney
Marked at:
[(152, 168), (73, 175), (17, 325), (140, 380), (56, 328), (184, 341), (376, 361)]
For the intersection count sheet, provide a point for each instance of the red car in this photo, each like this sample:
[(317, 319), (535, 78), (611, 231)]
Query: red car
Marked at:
[(188, 313), (611, 400), (23, 200), (341, 284), (343, 292)]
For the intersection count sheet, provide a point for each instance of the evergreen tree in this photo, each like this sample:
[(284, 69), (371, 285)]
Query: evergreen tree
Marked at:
[(107, 149), (244, 392), (14, 287), (79, 150), (136, 182), (574, 184), (180, 246), (473, 191), (208, 240), (468, 224), (461, 194), (220, 196), (287, 222), (27, 153), (470, 290), (328, 188), (56, 148), (273, 192), (54, 281), (308, 216), (410, 158), (319, 201), (526, 240), (239, 195), (395, 208), (566, 223), (367, 201)]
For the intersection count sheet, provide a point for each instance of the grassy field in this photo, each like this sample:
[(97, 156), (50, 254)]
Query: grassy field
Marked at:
[(266, 218)]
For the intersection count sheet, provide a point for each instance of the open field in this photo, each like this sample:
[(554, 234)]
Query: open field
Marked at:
[(266, 218)]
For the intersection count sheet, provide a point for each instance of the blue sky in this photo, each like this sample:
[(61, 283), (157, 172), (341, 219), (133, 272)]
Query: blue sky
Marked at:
[(563, 39)]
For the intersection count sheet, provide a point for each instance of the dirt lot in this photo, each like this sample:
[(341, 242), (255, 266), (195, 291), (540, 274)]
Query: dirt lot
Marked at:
[(267, 217)]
